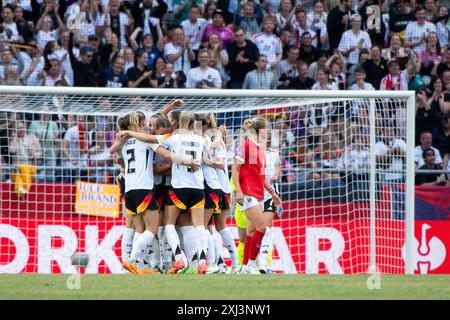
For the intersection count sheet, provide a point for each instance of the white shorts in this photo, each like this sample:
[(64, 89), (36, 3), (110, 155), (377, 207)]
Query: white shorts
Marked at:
[(250, 202)]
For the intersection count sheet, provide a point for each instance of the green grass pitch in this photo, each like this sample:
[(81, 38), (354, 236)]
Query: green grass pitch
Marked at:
[(233, 287)]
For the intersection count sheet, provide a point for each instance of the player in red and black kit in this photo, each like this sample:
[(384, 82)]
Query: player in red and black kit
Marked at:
[(248, 174)]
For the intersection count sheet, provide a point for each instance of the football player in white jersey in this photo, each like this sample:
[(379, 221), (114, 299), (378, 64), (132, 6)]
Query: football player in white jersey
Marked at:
[(272, 173), (139, 194), (187, 191), (219, 162)]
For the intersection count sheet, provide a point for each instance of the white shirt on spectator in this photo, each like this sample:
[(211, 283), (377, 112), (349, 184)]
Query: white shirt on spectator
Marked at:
[(418, 152), (72, 138), (43, 37), (268, 45), (24, 4), (194, 32), (395, 167), (182, 63), (357, 159), (329, 86), (13, 27), (414, 32), (197, 74), (356, 104), (350, 39)]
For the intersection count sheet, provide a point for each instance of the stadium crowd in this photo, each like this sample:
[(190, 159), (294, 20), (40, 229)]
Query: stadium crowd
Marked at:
[(271, 44)]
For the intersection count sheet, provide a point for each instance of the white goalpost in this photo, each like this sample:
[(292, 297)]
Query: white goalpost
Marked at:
[(346, 181)]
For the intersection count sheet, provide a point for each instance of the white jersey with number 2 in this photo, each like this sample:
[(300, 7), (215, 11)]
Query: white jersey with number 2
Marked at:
[(138, 158), (187, 145)]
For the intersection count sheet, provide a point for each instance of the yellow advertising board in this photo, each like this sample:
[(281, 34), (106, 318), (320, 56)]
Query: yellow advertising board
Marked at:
[(94, 199)]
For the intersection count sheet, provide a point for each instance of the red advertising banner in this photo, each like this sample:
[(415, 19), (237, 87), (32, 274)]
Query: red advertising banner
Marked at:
[(300, 245)]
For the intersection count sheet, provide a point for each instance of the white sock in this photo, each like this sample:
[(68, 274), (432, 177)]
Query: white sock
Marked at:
[(174, 242), (127, 243), (136, 237), (251, 264), (167, 253), (211, 250), (180, 236), (266, 246), (229, 243), (200, 233), (190, 245), (161, 246), (154, 253), (217, 247), (140, 248)]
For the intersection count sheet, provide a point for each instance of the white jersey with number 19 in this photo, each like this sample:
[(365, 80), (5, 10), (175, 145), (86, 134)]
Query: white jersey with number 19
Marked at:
[(190, 145), (138, 158)]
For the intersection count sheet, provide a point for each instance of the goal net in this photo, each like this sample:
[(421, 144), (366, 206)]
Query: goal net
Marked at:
[(346, 176)]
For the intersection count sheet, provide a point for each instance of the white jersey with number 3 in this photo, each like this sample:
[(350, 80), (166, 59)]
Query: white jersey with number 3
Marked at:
[(138, 158), (187, 145)]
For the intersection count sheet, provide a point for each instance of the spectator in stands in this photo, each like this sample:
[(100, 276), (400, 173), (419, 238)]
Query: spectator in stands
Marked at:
[(395, 79), (157, 72), (308, 52), (115, 76), (302, 81), (139, 76), (52, 73), (179, 52), (204, 77), (288, 68), (376, 67), (400, 15), (339, 21), (317, 65), (194, 27), (248, 20), (219, 57), (153, 52), (83, 69), (268, 43), (444, 65), (351, 72), (300, 26), (219, 28), (285, 15), (395, 50), (425, 117), (74, 148), (242, 54), (317, 21), (441, 23), (24, 27), (430, 56), (148, 15), (304, 159), (431, 179), (100, 158), (120, 23), (416, 32), (181, 9), (10, 30), (323, 81), (426, 139), (441, 135), (328, 156), (357, 162), (337, 72), (208, 12), (170, 79), (390, 153), (261, 78), (47, 132), (354, 40), (24, 148)]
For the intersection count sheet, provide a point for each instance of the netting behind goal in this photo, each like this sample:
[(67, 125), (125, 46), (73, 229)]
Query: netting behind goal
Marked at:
[(343, 176)]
